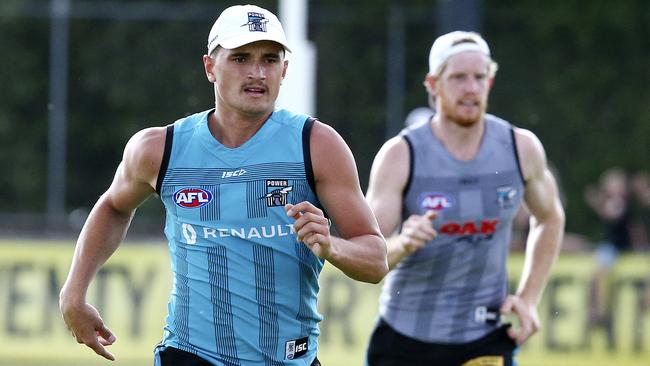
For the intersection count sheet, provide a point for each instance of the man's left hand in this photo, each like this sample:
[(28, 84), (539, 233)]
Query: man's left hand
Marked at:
[(529, 322), (311, 227)]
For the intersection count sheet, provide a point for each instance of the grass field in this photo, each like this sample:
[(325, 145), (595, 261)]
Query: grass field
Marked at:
[(132, 292)]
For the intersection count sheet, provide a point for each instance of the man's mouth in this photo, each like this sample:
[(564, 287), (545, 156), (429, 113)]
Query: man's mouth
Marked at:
[(255, 90), (469, 103)]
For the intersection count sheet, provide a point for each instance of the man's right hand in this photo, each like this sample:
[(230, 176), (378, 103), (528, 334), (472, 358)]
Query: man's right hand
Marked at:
[(417, 230), (87, 326)]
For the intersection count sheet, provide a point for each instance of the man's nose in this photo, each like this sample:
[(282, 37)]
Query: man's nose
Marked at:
[(472, 85), (257, 71)]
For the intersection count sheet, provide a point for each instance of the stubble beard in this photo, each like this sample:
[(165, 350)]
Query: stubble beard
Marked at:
[(462, 120)]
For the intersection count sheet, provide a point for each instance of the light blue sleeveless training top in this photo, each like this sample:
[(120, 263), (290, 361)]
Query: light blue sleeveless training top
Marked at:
[(244, 290), (446, 291)]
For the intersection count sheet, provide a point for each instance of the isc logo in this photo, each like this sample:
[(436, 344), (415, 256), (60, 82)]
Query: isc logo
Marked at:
[(192, 197), (301, 347), (296, 348), (234, 173)]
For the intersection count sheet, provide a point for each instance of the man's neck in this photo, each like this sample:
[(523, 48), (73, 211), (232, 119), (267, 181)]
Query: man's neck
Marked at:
[(462, 141), (233, 129)]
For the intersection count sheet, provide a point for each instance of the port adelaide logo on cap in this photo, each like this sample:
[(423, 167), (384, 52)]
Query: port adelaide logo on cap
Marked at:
[(256, 22), (277, 192)]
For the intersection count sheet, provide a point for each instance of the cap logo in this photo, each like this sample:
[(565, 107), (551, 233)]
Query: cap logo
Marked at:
[(256, 22)]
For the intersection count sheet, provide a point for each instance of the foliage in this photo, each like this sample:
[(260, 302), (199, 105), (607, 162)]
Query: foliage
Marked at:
[(574, 72)]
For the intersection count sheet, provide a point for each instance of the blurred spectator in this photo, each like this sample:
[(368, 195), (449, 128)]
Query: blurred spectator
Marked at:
[(422, 114), (418, 115), (572, 242), (640, 210), (640, 191), (610, 201)]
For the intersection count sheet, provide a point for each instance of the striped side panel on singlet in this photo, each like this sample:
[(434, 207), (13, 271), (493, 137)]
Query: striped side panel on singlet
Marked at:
[(222, 305), (183, 310), (265, 294)]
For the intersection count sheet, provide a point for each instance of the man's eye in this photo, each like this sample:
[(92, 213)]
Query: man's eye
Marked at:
[(240, 59)]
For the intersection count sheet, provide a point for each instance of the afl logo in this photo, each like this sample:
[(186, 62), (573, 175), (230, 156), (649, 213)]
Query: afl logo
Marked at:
[(192, 197), (436, 201)]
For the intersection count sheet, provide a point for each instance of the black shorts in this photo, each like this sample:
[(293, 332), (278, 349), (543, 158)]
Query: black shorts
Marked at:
[(390, 348), (170, 356)]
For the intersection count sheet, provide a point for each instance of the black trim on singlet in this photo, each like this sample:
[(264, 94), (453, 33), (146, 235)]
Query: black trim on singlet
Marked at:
[(169, 139), (514, 148), (407, 186), (306, 150)]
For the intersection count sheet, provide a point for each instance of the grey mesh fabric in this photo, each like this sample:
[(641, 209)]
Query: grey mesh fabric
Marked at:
[(441, 292)]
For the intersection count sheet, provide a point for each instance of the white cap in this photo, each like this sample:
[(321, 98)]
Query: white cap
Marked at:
[(452, 43), (243, 24), (418, 115)]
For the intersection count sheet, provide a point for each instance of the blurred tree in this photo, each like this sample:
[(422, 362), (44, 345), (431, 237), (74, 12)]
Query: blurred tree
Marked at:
[(574, 72), (577, 74), (23, 114)]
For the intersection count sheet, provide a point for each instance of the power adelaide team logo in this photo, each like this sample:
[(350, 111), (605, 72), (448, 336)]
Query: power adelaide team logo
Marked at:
[(435, 201), (192, 197), (506, 196), (277, 192), (256, 22)]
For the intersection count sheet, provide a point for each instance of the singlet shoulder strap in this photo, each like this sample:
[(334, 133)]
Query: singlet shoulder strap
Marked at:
[(516, 152), (409, 143), (169, 139), (306, 150)]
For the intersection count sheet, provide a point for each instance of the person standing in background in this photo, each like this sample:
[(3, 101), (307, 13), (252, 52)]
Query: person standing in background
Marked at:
[(446, 193), (640, 209), (619, 201)]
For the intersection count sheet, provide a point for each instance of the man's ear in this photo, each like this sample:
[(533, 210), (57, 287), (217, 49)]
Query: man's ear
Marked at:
[(208, 64), (284, 70), (429, 83)]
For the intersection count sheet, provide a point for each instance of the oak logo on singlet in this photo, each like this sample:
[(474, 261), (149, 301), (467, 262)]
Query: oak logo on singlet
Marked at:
[(469, 227), (277, 192), (192, 197)]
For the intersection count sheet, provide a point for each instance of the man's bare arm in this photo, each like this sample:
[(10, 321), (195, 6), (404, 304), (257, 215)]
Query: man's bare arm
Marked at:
[(360, 251), (103, 232)]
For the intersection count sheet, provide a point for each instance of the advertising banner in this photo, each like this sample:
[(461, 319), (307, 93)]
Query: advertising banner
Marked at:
[(131, 293)]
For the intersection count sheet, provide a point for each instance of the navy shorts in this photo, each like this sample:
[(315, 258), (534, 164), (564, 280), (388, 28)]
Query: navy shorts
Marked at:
[(170, 356), (390, 348)]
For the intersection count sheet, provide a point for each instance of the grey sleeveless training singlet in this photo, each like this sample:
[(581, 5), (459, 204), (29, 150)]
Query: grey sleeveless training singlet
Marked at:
[(443, 292)]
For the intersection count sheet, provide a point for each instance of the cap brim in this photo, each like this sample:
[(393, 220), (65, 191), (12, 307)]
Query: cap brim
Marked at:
[(242, 40)]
